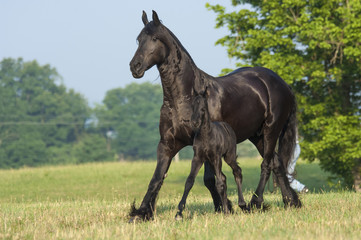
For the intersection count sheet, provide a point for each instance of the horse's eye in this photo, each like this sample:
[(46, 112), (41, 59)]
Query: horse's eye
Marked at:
[(154, 39)]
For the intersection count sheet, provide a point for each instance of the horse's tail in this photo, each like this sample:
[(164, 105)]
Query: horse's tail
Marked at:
[(287, 139)]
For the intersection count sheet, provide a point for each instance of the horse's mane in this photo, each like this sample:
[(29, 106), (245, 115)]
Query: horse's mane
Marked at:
[(178, 43)]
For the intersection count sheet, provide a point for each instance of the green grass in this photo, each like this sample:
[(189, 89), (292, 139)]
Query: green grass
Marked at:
[(92, 202)]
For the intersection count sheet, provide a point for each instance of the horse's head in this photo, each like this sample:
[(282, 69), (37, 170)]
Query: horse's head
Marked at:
[(200, 110), (151, 49)]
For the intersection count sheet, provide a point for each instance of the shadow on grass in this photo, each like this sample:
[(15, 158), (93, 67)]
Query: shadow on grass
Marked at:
[(198, 208), (309, 174)]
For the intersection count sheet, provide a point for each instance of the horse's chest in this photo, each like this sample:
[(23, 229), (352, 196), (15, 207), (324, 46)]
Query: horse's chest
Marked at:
[(177, 119)]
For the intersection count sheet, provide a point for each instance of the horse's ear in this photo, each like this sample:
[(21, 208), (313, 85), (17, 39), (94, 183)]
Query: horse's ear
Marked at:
[(145, 18), (155, 19)]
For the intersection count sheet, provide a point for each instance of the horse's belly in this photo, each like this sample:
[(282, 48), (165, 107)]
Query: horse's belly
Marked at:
[(246, 118)]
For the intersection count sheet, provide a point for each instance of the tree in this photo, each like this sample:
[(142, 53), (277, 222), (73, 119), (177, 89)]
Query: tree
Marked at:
[(316, 47), (129, 117), (38, 115), (92, 148)]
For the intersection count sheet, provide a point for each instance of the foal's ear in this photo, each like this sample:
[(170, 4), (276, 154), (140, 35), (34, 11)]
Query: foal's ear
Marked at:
[(205, 93), (155, 19), (145, 18)]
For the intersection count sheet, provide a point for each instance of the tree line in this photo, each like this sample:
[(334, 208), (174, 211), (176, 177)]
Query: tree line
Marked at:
[(43, 122)]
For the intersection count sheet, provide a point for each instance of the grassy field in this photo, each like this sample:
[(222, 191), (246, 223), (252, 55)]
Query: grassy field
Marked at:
[(92, 202)]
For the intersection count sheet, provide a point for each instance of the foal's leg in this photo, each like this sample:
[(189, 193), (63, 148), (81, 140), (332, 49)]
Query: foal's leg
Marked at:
[(231, 159), (210, 182), (196, 165), (221, 184)]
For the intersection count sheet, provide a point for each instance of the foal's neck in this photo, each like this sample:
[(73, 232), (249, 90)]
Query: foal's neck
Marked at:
[(205, 128)]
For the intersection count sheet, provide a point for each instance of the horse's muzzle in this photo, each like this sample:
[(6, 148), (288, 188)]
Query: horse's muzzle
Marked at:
[(138, 75), (136, 69)]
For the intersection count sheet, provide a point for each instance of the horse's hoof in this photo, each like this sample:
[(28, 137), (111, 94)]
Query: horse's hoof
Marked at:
[(258, 205), (178, 217), (244, 208), (295, 204), (265, 207), (254, 205)]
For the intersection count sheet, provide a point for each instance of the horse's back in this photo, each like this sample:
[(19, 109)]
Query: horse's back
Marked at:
[(260, 82), (271, 80), (280, 96), (246, 97)]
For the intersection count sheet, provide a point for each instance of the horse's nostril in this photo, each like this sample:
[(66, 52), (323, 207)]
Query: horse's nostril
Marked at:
[(138, 65)]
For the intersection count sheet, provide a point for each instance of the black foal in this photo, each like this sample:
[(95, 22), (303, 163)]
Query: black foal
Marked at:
[(212, 141)]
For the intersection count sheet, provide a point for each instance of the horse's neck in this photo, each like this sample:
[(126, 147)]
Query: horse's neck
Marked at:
[(177, 75)]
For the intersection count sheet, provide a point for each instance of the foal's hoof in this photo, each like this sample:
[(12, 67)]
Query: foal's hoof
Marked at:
[(179, 216), (135, 219), (229, 206)]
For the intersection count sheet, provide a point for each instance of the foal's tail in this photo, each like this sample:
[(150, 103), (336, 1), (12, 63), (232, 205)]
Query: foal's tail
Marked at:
[(287, 139)]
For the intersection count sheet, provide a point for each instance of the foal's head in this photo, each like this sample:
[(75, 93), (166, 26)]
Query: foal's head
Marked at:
[(152, 48), (200, 114)]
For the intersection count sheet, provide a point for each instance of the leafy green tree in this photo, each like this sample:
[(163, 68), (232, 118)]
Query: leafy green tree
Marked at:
[(92, 148), (38, 115), (129, 118), (315, 46)]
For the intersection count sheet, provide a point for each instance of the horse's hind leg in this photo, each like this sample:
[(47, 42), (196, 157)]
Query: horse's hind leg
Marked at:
[(288, 194), (269, 144), (231, 160), (196, 165)]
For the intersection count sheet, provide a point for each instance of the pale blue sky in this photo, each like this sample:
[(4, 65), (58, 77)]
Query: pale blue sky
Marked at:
[(91, 42)]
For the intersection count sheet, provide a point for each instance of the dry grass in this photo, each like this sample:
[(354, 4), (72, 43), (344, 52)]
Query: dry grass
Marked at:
[(92, 201)]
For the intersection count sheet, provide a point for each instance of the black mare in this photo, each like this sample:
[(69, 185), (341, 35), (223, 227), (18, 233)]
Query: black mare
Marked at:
[(212, 141), (255, 101)]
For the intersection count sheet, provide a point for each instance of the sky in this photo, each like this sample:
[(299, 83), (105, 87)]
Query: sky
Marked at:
[(91, 43)]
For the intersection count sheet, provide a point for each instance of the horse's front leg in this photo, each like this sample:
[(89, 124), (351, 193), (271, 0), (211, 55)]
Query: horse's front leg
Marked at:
[(146, 209)]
